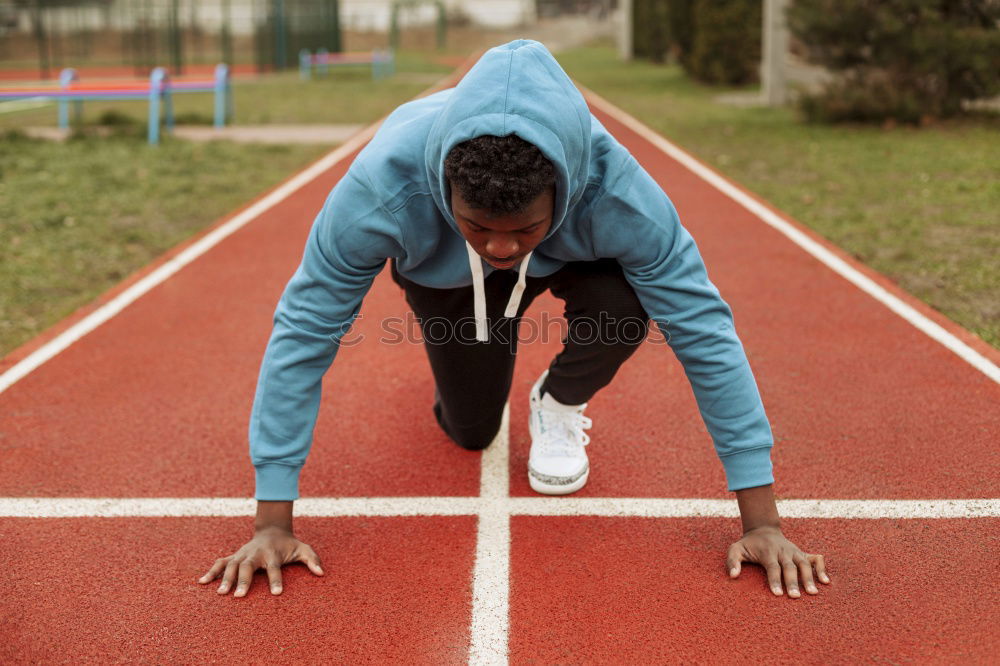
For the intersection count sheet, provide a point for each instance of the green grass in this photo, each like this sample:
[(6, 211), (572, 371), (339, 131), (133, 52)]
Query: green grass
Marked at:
[(80, 216), (77, 217), (921, 206)]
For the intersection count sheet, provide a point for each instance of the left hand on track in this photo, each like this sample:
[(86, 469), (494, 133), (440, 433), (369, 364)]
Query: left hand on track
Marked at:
[(781, 558)]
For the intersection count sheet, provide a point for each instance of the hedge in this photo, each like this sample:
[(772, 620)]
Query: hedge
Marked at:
[(906, 60), (715, 41)]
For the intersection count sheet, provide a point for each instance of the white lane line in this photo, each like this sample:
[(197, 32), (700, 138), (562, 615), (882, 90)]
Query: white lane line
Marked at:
[(491, 588), (491, 573), (494, 480), (120, 302), (87, 507), (625, 507), (937, 508), (688, 508), (832, 261)]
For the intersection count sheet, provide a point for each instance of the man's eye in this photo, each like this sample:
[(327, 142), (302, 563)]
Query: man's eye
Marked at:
[(530, 230)]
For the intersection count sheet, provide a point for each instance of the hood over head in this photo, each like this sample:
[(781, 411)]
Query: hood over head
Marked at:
[(516, 88)]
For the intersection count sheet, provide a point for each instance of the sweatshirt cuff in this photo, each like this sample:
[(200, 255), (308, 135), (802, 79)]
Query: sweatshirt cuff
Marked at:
[(277, 482), (748, 469)]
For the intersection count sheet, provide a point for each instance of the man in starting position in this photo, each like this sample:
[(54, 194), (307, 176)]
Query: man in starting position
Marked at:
[(482, 197)]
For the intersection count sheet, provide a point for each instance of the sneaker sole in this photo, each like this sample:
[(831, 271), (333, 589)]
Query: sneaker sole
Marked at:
[(544, 488)]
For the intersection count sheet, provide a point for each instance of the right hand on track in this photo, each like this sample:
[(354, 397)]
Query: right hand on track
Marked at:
[(269, 549)]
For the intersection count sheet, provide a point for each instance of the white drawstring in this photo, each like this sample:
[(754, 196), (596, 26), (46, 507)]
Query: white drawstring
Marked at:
[(515, 294), (479, 292)]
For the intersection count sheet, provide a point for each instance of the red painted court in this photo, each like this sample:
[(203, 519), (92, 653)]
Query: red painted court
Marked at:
[(436, 555)]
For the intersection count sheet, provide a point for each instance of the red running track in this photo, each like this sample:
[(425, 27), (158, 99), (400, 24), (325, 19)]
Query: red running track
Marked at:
[(154, 403)]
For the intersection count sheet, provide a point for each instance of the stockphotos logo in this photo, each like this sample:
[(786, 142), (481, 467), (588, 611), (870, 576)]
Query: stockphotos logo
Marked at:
[(410, 329)]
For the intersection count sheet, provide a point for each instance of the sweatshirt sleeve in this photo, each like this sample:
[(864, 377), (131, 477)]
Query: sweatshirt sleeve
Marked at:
[(635, 222), (347, 246)]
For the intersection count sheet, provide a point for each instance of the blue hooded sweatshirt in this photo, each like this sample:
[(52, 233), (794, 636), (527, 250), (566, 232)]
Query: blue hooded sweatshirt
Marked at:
[(394, 202)]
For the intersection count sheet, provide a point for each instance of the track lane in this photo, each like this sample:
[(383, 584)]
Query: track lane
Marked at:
[(394, 590), (862, 404), (633, 590)]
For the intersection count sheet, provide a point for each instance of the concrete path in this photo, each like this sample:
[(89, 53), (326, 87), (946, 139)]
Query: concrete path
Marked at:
[(318, 134), (331, 134)]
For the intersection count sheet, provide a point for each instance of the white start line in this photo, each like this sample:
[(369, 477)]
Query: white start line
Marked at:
[(490, 623), (494, 507)]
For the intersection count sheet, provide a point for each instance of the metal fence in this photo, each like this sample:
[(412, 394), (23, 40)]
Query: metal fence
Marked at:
[(43, 36)]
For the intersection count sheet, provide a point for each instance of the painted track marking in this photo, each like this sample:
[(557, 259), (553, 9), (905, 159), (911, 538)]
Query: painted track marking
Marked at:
[(624, 507), (490, 625)]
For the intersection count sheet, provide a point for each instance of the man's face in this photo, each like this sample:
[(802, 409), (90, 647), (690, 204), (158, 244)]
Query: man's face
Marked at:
[(503, 240)]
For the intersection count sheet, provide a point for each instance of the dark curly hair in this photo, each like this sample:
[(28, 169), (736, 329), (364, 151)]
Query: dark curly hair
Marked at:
[(499, 174)]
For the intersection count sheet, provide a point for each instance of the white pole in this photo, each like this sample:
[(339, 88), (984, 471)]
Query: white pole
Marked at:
[(775, 48), (625, 48), (529, 12)]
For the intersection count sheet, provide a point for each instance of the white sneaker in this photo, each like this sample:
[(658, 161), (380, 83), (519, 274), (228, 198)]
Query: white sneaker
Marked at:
[(557, 464)]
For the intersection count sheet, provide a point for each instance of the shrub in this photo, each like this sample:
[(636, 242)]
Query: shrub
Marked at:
[(680, 28), (650, 29), (901, 59), (715, 41), (726, 41)]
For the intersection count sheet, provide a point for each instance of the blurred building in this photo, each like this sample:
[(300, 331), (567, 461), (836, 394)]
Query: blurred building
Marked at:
[(242, 15)]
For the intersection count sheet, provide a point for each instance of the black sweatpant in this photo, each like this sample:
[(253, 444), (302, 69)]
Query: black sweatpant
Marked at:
[(605, 325)]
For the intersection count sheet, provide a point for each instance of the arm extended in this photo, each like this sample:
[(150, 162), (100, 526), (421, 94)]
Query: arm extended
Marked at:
[(662, 262), (346, 248)]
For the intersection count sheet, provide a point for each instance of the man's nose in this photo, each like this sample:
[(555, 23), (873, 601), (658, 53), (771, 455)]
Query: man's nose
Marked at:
[(501, 247)]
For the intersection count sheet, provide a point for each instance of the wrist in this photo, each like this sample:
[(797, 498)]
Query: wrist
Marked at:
[(261, 529), (758, 508), (763, 528), (273, 515)]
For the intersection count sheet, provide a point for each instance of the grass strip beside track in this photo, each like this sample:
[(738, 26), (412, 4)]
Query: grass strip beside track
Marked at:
[(79, 217)]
